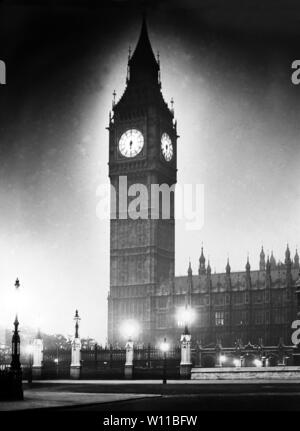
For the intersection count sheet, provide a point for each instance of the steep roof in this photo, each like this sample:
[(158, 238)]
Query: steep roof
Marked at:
[(238, 280), (143, 81), (143, 65)]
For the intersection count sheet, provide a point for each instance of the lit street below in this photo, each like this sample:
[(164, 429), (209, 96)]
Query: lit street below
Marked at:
[(114, 396)]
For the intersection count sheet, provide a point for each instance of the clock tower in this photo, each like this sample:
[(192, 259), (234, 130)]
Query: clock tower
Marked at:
[(142, 154)]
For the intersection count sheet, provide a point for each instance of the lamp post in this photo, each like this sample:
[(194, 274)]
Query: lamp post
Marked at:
[(164, 348), (185, 316), (56, 361), (15, 365), (75, 369), (129, 330), (15, 356), (222, 359), (237, 362)]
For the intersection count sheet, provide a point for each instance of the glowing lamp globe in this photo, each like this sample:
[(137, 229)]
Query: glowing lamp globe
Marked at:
[(129, 329), (164, 347), (185, 316), (237, 362), (222, 358), (257, 362)]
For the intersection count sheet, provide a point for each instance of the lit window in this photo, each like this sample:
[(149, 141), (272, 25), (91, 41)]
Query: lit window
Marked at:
[(219, 318)]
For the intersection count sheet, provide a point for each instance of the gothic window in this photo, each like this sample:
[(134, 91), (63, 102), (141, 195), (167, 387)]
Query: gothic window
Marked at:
[(277, 298), (162, 302), (161, 321), (219, 318), (258, 297), (219, 299), (259, 317), (179, 300), (279, 316), (197, 300), (203, 318), (240, 317), (238, 298)]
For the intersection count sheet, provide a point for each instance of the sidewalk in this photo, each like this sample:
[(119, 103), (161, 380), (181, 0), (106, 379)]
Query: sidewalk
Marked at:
[(36, 399)]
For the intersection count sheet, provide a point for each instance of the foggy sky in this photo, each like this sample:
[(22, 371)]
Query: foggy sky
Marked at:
[(228, 69)]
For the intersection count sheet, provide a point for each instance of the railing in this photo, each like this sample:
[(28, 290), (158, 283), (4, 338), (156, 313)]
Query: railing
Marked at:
[(148, 362), (243, 355)]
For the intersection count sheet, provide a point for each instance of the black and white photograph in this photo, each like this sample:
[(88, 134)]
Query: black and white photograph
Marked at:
[(149, 210)]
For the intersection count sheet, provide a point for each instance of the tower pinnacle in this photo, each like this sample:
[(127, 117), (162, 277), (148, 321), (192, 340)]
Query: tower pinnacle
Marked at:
[(202, 269), (262, 261), (142, 64)]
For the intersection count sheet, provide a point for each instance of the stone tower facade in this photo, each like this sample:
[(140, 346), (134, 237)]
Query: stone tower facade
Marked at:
[(142, 155)]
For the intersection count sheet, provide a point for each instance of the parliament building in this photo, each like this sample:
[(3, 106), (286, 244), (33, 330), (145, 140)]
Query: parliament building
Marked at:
[(252, 305)]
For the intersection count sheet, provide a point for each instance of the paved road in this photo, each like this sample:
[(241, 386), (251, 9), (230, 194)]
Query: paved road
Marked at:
[(184, 396), (196, 403)]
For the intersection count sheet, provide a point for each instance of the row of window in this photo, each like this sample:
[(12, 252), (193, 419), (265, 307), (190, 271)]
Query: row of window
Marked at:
[(129, 306), (240, 298), (129, 292), (239, 318), (260, 317)]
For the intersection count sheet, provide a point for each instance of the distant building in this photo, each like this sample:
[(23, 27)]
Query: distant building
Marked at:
[(2, 336), (249, 305)]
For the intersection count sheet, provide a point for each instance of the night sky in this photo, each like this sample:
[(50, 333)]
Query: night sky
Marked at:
[(228, 67)]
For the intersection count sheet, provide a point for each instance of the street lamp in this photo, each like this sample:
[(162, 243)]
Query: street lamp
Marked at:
[(56, 360), (185, 316), (257, 362), (15, 365), (164, 348), (222, 359), (15, 356), (75, 369), (237, 362), (129, 330)]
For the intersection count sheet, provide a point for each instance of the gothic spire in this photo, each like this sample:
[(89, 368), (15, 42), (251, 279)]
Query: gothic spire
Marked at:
[(296, 260), (268, 265), (287, 255), (143, 65), (143, 79), (208, 268), (262, 262), (272, 261), (248, 267), (190, 272), (202, 263), (228, 269)]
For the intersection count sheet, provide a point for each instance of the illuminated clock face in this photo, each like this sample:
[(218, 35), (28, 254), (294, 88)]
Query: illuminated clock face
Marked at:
[(166, 147), (131, 143)]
